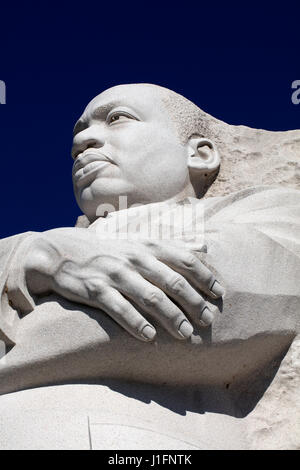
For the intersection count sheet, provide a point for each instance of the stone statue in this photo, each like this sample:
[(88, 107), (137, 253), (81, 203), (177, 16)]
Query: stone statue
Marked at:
[(169, 316)]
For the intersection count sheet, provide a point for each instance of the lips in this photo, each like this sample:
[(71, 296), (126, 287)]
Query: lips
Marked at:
[(87, 157), (88, 163)]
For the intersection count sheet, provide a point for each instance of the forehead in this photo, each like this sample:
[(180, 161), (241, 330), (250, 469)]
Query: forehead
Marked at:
[(146, 100)]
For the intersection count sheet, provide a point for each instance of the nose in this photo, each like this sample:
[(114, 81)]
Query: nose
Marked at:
[(88, 138)]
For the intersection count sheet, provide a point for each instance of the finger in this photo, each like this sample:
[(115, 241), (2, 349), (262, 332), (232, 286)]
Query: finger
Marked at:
[(191, 244), (183, 244), (176, 287), (98, 294), (186, 263), (155, 302), (120, 310)]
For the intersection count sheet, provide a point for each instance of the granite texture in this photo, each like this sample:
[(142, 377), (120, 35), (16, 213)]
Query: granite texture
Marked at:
[(114, 341)]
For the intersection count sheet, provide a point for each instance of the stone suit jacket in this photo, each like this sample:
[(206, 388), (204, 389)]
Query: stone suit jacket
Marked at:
[(253, 248)]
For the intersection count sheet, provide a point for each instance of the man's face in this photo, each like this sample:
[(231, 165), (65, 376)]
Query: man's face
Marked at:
[(125, 145)]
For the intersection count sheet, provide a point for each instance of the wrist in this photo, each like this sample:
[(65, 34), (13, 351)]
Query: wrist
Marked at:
[(18, 293), (41, 263)]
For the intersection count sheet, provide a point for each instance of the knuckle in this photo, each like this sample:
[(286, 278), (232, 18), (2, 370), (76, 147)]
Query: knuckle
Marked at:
[(115, 311), (117, 273), (118, 311), (208, 278), (135, 259), (94, 288), (198, 303), (189, 261), (177, 285), (151, 244), (153, 298)]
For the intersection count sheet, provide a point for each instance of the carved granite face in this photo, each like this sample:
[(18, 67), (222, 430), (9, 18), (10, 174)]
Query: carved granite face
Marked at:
[(125, 144)]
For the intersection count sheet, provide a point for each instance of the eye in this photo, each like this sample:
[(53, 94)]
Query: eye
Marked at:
[(119, 116)]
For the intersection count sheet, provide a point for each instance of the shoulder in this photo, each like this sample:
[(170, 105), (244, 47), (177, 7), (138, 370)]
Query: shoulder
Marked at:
[(257, 198)]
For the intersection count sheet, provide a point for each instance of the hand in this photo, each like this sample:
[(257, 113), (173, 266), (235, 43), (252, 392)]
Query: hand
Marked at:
[(124, 278)]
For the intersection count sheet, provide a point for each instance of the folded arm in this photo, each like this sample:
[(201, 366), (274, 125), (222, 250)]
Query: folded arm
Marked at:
[(9, 317)]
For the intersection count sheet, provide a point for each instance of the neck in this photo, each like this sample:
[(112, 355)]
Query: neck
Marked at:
[(188, 191)]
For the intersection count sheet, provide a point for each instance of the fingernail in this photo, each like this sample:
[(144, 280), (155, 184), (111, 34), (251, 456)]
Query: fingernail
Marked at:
[(185, 329), (148, 333), (217, 289), (206, 317)]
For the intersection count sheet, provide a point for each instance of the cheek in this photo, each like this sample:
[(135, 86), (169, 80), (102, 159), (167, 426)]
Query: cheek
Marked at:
[(167, 159), (150, 149)]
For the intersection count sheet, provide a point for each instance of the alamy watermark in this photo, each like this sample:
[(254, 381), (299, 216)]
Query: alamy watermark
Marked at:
[(181, 221), (2, 92), (296, 94)]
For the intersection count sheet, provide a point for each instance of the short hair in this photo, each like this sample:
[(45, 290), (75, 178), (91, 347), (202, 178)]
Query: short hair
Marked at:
[(188, 119), (186, 116), (241, 148)]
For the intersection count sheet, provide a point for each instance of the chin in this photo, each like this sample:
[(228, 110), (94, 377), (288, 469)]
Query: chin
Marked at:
[(114, 192), (94, 206)]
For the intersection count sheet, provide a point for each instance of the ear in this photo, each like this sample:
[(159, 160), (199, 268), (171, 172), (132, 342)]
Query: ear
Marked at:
[(203, 156)]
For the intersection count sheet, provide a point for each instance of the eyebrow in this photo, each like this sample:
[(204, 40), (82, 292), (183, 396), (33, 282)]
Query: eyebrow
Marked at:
[(99, 113), (103, 110)]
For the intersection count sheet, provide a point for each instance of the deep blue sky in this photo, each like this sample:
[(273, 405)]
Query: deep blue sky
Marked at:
[(49, 82)]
